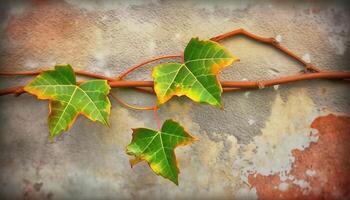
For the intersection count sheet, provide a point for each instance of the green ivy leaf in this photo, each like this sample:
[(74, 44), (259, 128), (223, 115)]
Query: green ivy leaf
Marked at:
[(157, 148), (197, 76), (68, 100)]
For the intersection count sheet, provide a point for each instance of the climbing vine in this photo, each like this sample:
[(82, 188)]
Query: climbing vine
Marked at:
[(194, 75)]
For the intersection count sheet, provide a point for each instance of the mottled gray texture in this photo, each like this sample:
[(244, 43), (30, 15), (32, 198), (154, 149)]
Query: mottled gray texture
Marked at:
[(88, 161)]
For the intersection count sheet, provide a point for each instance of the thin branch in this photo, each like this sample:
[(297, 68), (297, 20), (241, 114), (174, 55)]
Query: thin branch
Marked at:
[(271, 41), (79, 72), (228, 85), (156, 117), (145, 90), (287, 79), (154, 108), (93, 75), (133, 68), (130, 106), (130, 84), (21, 73), (249, 84), (12, 90)]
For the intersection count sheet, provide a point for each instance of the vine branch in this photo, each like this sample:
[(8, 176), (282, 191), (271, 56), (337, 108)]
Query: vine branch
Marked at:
[(224, 84), (147, 86)]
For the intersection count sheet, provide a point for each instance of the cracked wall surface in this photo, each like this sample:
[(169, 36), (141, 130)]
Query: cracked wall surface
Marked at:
[(284, 142)]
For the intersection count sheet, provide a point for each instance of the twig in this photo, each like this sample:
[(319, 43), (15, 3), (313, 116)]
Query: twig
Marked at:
[(12, 90), (94, 75), (271, 41), (287, 79), (133, 68), (130, 106), (156, 117), (249, 84)]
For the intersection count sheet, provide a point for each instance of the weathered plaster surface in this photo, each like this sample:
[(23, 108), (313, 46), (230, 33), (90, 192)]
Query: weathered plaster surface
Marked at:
[(265, 143)]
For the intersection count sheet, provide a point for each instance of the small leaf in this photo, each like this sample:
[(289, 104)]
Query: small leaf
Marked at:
[(157, 148), (197, 76), (68, 100)]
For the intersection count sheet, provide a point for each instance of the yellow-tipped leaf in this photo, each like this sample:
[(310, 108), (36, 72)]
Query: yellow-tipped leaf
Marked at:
[(157, 148), (197, 76), (68, 100)]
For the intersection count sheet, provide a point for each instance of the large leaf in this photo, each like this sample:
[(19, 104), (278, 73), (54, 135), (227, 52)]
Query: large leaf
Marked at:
[(197, 76), (157, 148), (68, 100)]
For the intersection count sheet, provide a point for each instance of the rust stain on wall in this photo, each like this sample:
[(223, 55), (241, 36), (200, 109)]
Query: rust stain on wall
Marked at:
[(322, 171), (48, 33)]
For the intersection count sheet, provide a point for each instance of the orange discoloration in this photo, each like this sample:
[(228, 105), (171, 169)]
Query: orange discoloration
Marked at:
[(51, 27), (328, 159), (216, 68), (38, 93), (179, 91), (134, 161)]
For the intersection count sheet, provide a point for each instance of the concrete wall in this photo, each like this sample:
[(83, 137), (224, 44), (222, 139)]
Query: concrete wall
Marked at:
[(290, 141)]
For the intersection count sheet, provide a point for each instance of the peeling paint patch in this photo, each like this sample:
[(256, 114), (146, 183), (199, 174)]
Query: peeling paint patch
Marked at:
[(287, 128), (321, 171)]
